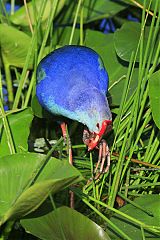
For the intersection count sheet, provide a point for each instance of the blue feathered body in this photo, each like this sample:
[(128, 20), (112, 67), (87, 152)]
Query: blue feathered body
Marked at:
[(72, 82)]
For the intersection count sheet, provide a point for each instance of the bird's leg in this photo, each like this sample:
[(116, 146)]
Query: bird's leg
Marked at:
[(99, 157), (68, 143), (69, 149), (103, 155)]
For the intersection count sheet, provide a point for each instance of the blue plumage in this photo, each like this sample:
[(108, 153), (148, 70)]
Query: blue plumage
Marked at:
[(72, 82)]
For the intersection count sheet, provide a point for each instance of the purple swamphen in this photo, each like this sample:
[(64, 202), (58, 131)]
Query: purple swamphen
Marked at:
[(72, 82)]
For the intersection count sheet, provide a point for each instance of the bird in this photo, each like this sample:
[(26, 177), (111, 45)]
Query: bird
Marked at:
[(72, 82)]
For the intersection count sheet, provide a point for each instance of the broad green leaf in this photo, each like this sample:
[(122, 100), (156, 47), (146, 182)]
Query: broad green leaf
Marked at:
[(151, 203), (154, 95), (93, 10), (19, 124), (64, 223), (126, 40), (20, 16), (17, 170), (62, 36), (117, 70), (14, 46), (38, 110)]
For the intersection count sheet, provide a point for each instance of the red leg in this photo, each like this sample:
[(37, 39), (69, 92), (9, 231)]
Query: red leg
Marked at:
[(64, 133), (104, 154), (69, 150), (99, 157), (108, 158)]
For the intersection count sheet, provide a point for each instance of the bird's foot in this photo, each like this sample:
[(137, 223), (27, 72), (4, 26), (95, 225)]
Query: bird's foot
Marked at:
[(104, 156)]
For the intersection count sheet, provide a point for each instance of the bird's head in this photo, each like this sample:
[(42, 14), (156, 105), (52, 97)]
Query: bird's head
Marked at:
[(91, 139)]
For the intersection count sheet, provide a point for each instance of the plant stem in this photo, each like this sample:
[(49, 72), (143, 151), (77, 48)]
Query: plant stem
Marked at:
[(81, 26), (74, 22), (7, 129), (153, 229), (28, 16), (30, 52), (12, 6), (112, 225), (8, 80)]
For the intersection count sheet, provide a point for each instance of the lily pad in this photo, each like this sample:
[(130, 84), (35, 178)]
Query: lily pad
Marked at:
[(14, 46), (151, 203), (64, 223), (17, 199), (116, 68), (20, 17), (126, 40), (19, 124), (93, 10)]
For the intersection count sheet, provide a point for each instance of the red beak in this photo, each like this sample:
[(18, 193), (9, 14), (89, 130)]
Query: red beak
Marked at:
[(98, 137), (93, 143)]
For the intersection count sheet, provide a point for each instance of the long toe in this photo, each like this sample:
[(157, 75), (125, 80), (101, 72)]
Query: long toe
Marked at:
[(103, 157)]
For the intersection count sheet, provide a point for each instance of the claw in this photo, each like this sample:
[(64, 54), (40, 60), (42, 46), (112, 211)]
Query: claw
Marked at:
[(104, 155), (90, 139)]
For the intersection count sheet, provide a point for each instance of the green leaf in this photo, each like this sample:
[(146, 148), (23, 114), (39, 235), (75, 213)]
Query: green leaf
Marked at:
[(93, 10), (17, 170), (14, 46), (117, 69), (151, 203), (19, 124), (64, 223), (62, 36), (38, 110), (154, 95), (20, 16), (126, 40)]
